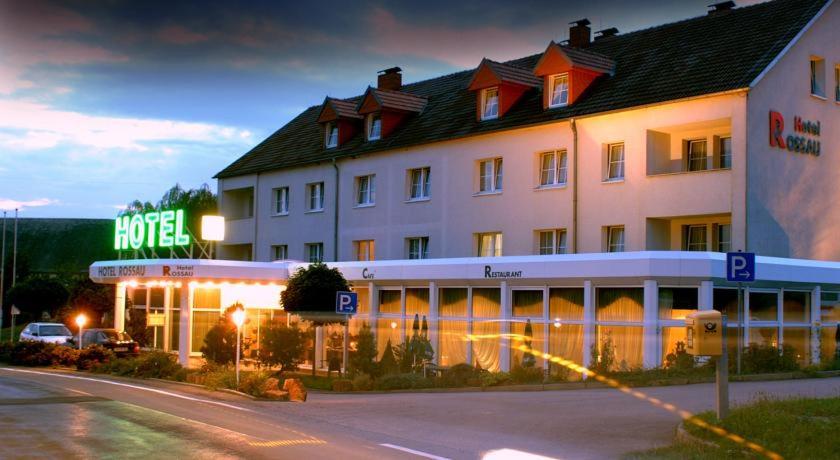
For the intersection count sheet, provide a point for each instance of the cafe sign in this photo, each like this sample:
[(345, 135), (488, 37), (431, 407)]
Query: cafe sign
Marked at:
[(163, 229), (804, 139)]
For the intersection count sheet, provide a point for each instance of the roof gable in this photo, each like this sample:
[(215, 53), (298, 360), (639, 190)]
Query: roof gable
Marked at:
[(376, 99), (557, 59), (490, 73), (333, 109)]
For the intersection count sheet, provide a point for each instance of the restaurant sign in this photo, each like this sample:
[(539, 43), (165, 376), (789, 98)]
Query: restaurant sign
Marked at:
[(163, 229), (804, 139)]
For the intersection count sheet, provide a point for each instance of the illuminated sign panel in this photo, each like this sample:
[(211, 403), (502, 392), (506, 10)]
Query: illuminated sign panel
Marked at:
[(153, 229), (804, 139)]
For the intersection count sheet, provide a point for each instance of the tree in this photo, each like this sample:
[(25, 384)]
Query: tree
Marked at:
[(416, 351), (364, 359), (220, 341), (35, 296), (310, 293), (388, 363), (528, 359), (92, 299), (282, 346), (135, 325)]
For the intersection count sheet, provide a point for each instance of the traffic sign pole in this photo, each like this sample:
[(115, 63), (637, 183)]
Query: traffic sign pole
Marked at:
[(739, 340), (346, 342), (722, 376), (346, 303)]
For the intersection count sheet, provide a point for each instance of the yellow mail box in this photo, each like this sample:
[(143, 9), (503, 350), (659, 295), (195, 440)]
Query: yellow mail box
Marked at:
[(704, 333)]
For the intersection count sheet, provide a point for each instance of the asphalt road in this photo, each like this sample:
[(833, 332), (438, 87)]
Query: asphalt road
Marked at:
[(54, 414)]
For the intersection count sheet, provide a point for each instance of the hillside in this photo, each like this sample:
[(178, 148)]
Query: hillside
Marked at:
[(59, 245)]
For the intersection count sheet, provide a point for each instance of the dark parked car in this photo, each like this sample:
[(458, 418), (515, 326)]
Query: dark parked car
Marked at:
[(118, 342)]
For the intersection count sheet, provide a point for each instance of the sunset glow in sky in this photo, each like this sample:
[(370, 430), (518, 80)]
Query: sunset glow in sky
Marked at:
[(103, 103)]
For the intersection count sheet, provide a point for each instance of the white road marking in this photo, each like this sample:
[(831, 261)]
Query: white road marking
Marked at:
[(415, 452), (128, 385)]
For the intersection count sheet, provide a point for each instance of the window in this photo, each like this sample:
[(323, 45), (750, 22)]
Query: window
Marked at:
[(314, 252), (559, 90), (315, 196), (615, 162), (552, 242), (553, 168), (818, 76), (490, 103), (374, 127), (418, 248), (697, 155), (695, 238), (725, 146), (420, 185), (490, 176), (837, 83), (332, 135), (364, 249), (366, 190), (615, 239), (281, 201), (280, 252), (489, 244), (724, 237)]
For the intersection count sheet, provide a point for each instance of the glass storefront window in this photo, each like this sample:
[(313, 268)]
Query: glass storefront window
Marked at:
[(726, 302), (620, 304), (453, 302), (486, 345), (156, 299), (627, 345), (565, 342), (676, 303), (388, 329), (830, 307), (527, 303), (799, 339), (670, 337), (416, 301), (452, 337), (829, 340), (138, 296), (796, 307), (207, 298), (537, 340), (487, 302), (565, 303), (767, 336), (202, 322), (764, 306), (363, 296), (389, 301)]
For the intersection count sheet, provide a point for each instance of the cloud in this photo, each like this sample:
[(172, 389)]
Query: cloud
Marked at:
[(7, 204), (179, 35)]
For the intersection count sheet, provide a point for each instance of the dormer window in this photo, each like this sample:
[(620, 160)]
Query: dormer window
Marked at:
[(331, 135), (559, 90), (374, 127), (490, 103)]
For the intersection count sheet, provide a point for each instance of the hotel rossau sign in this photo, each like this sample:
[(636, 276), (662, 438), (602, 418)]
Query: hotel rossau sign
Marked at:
[(805, 137), (163, 229)]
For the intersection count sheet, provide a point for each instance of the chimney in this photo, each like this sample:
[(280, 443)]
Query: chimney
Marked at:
[(606, 33), (579, 33), (721, 7), (390, 79)]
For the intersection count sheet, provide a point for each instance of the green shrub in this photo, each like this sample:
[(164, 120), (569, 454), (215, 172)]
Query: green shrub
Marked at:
[(363, 360), (679, 358), (126, 367), (29, 353), (759, 359), (460, 375), (404, 382), (342, 385), (254, 383), (362, 382), (6, 351), (522, 374), (492, 379), (282, 346), (65, 356), (223, 377), (92, 356), (158, 365)]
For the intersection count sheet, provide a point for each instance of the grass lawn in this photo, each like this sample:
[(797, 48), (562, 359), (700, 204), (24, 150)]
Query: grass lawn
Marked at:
[(794, 429)]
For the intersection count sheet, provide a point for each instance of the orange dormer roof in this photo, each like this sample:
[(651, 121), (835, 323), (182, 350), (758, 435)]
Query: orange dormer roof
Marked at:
[(332, 109), (376, 99), (558, 59), (491, 73)]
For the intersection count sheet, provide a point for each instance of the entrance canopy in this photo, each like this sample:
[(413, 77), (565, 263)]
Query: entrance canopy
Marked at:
[(176, 270)]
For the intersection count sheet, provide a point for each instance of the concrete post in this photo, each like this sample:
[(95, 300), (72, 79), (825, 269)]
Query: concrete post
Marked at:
[(319, 346), (433, 320), (119, 308), (816, 303), (589, 336), (470, 359), (185, 326), (650, 352), (373, 296), (167, 316), (504, 348), (706, 298)]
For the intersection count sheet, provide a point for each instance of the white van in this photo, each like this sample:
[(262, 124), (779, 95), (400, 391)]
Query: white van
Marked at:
[(46, 332)]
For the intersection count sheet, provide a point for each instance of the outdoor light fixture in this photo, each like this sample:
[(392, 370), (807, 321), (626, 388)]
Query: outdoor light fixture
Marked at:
[(213, 228), (557, 322), (238, 319), (81, 319), (393, 324)]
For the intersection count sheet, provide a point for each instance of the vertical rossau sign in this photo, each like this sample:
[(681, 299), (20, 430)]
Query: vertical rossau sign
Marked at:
[(163, 229)]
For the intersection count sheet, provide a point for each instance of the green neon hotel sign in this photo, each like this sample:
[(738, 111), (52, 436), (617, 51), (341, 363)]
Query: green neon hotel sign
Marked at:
[(163, 229)]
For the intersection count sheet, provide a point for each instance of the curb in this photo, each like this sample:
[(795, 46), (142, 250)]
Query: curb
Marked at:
[(682, 435)]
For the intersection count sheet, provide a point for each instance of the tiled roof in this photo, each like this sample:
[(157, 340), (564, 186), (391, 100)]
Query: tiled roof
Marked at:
[(589, 59), (342, 108), (513, 74), (398, 100), (703, 55)]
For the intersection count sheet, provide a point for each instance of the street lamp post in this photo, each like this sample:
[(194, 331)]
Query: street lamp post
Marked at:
[(238, 319), (81, 319)]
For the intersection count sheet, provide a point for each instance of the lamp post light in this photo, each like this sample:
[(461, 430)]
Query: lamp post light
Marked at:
[(238, 319), (81, 319)]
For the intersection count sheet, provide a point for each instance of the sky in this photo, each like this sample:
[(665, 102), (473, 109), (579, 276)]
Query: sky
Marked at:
[(105, 102)]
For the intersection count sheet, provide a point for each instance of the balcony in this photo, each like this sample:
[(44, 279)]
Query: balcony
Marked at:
[(689, 148)]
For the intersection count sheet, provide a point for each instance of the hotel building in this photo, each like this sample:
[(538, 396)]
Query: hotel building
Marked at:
[(590, 189)]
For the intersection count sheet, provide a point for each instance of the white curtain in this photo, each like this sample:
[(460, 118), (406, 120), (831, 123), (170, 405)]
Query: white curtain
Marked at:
[(627, 342), (566, 342), (485, 349), (565, 303), (621, 304), (364, 300), (387, 329), (453, 342), (416, 301), (389, 301), (670, 337), (453, 302), (518, 338), (527, 303), (486, 302)]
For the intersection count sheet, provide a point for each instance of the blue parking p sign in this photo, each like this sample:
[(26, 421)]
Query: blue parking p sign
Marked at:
[(346, 302), (740, 266)]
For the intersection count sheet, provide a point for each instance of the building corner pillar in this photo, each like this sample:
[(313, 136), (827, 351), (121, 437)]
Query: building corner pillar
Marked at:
[(185, 326), (504, 332), (650, 352), (706, 298), (433, 320), (816, 324), (119, 307), (589, 336)]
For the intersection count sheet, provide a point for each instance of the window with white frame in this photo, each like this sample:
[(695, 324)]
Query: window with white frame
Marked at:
[(315, 196), (364, 249), (418, 248), (553, 168), (374, 126), (489, 244), (837, 83), (280, 252), (696, 155), (281, 201), (331, 135), (490, 175), (559, 90), (694, 237), (552, 241), (817, 76), (725, 148), (489, 103), (724, 237), (615, 162), (314, 252), (615, 238), (366, 190), (419, 183)]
